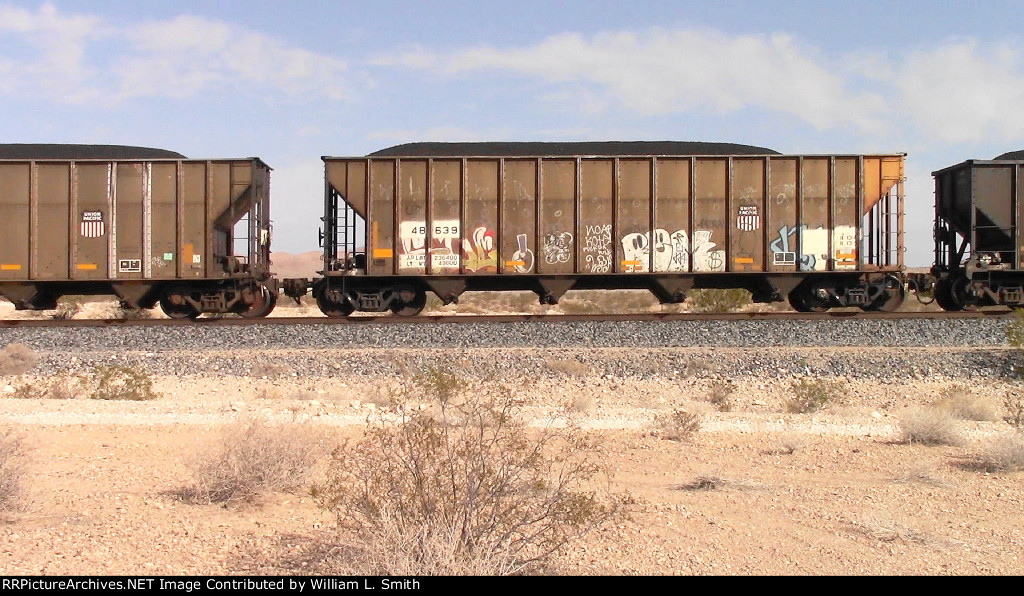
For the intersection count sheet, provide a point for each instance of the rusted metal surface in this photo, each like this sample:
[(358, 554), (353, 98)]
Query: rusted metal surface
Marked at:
[(112, 226), (593, 215)]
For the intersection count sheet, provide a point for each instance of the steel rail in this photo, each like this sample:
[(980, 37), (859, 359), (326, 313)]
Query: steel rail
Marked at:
[(834, 314)]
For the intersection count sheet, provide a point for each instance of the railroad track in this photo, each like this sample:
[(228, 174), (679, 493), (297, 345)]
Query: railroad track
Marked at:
[(834, 314)]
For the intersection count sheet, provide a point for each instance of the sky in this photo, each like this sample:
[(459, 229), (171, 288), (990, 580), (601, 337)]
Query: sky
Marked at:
[(289, 82)]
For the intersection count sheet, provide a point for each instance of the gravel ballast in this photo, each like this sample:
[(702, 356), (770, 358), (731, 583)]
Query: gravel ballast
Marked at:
[(581, 334), (907, 349)]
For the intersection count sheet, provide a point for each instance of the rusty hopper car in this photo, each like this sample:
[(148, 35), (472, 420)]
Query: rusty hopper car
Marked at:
[(979, 243), (821, 230), (146, 230)]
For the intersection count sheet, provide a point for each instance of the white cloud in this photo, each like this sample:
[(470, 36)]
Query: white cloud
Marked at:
[(959, 91), (58, 44), (188, 54), (664, 71), (69, 59), (962, 91)]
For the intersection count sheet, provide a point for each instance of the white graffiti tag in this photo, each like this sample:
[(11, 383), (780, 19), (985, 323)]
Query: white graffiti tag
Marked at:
[(597, 245), (671, 252), (557, 248)]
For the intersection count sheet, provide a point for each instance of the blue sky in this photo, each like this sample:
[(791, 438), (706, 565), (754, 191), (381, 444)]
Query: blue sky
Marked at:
[(291, 81)]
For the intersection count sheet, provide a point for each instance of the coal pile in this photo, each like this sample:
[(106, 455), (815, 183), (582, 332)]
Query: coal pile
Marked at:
[(65, 151), (632, 148)]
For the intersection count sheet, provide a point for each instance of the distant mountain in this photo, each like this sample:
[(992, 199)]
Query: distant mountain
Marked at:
[(287, 265)]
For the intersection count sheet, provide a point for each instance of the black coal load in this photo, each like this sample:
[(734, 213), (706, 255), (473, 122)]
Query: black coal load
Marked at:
[(66, 151), (519, 149)]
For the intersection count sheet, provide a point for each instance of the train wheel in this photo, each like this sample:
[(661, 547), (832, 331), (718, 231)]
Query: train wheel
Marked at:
[(891, 298), (412, 307), (175, 306), (803, 300), (797, 304), (264, 304), (333, 309), (945, 296)]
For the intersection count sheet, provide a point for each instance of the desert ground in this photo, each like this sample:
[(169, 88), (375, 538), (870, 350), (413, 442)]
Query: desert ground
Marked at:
[(749, 487), (754, 490)]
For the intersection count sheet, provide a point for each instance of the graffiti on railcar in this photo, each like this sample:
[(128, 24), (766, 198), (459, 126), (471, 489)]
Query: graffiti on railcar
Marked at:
[(480, 251), (597, 248), (813, 247), (448, 250), (444, 244), (672, 252), (557, 248), (522, 258)]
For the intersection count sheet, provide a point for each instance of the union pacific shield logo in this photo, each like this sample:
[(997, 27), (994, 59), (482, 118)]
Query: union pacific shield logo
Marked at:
[(748, 220), (92, 224)]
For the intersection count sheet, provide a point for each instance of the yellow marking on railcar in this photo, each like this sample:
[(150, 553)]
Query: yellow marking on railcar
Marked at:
[(631, 263), (846, 256), (10, 267), (86, 266), (748, 260), (379, 253), (515, 263)]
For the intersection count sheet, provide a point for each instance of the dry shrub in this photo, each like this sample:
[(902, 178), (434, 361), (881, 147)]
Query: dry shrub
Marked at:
[(1003, 454), (17, 359), (583, 404), (127, 383), (961, 403), (790, 442), (12, 473), (720, 396), (811, 395), (885, 529), (678, 425), (1014, 404), (468, 490), (921, 474), (256, 457), (930, 426), (66, 311), (718, 301), (58, 387), (568, 367), (129, 313), (714, 482)]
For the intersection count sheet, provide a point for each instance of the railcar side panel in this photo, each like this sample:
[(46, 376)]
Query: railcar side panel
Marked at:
[(446, 217), (592, 215), (783, 215), (54, 199), (92, 197), (815, 230), (709, 240), (163, 196), (845, 217), (412, 218), (480, 247), (14, 225), (669, 240), (381, 219), (130, 218), (558, 217), (518, 232), (746, 246), (632, 192), (595, 251)]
